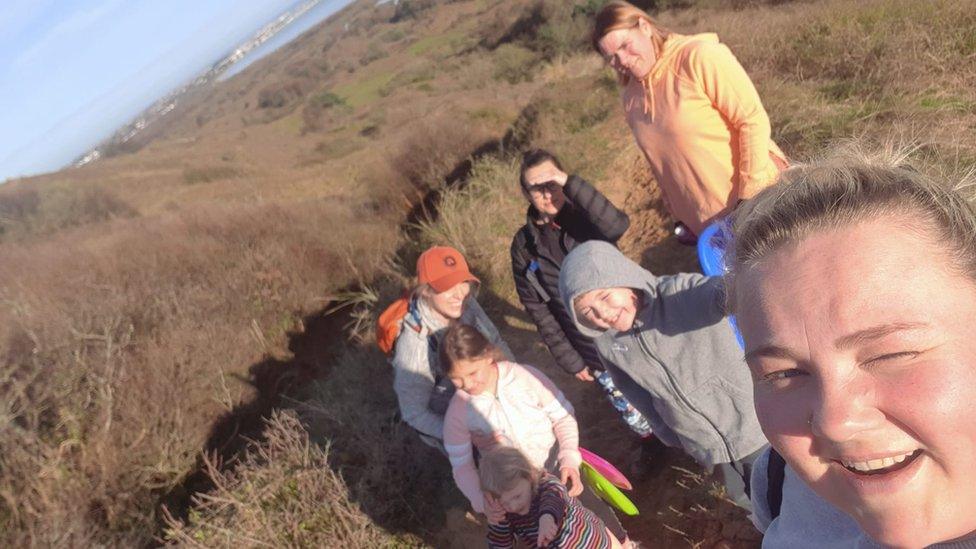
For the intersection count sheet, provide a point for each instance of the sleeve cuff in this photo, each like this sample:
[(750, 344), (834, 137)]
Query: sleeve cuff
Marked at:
[(570, 458)]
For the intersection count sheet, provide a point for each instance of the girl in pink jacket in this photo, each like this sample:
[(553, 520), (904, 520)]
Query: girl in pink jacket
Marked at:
[(508, 404)]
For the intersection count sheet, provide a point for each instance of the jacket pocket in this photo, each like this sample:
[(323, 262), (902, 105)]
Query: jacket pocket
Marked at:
[(731, 414)]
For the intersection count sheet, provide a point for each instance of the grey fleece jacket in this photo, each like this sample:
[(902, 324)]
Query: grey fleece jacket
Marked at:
[(807, 521), (680, 363), (417, 369)]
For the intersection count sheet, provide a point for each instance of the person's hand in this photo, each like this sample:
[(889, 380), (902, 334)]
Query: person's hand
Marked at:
[(584, 375), (570, 478), (494, 510), (547, 530), (547, 171)]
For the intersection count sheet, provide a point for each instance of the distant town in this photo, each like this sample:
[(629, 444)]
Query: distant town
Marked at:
[(168, 102)]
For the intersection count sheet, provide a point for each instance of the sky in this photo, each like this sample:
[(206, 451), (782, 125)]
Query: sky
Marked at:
[(73, 71)]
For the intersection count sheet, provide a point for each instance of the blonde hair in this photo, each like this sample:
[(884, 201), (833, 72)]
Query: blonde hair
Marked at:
[(618, 15), (849, 186), (501, 468)]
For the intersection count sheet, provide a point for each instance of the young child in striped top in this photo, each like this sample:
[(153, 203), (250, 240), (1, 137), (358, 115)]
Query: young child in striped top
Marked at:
[(537, 509)]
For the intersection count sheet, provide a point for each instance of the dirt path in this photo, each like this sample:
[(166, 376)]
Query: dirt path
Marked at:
[(680, 506)]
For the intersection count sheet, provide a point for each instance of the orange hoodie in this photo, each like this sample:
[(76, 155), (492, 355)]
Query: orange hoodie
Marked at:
[(703, 129)]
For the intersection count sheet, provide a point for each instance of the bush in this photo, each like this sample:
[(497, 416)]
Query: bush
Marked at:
[(336, 148), (283, 493), (418, 76), (371, 131), (566, 29), (433, 150), (515, 64), (482, 239), (411, 9), (280, 94), (28, 212), (328, 99), (315, 110), (550, 28), (393, 35), (373, 53), (207, 174), (17, 206)]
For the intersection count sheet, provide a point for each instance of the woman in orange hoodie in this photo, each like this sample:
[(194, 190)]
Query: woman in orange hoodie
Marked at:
[(694, 113)]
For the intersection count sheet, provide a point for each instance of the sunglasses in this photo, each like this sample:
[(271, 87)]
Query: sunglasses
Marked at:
[(550, 186)]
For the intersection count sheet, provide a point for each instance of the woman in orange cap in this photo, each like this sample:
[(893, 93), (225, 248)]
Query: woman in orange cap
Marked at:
[(694, 113), (445, 292)]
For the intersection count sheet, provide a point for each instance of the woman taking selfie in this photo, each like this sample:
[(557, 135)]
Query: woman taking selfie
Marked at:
[(855, 284)]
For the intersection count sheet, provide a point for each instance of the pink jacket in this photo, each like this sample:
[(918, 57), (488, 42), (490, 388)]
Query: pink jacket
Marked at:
[(528, 412)]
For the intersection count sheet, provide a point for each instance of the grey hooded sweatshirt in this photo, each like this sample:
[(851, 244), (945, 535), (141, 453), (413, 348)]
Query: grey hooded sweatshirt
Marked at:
[(680, 363)]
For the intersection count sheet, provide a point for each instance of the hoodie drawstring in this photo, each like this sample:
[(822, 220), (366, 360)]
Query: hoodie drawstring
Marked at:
[(648, 97)]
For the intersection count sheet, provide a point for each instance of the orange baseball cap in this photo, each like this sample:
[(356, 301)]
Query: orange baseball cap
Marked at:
[(443, 267)]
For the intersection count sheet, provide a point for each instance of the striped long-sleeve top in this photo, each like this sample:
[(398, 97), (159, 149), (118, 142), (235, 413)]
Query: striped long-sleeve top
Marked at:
[(576, 526)]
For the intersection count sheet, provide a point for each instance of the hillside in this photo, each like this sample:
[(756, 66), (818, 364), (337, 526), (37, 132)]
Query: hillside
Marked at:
[(157, 307)]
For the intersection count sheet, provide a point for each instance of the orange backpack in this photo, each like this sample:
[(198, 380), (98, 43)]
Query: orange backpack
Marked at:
[(391, 320)]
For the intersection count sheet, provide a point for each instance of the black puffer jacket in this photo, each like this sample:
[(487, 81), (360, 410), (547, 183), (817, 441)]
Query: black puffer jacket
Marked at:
[(587, 215)]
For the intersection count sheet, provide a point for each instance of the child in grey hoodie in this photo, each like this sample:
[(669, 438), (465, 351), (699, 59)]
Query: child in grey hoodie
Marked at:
[(669, 347)]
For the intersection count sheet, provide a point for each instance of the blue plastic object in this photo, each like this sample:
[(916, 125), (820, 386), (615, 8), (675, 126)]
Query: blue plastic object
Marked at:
[(711, 248), (712, 244)]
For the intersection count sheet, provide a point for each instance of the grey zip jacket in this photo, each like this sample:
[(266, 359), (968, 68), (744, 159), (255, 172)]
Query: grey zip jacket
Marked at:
[(680, 363), (422, 391)]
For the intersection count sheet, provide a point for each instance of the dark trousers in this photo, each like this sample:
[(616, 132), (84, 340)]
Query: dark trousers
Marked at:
[(735, 477)]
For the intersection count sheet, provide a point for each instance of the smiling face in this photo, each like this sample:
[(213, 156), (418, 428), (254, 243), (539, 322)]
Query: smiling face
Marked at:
[(474, 376), (450, 303), (629, 51), (606, 308), (517, 499), (862, 345)]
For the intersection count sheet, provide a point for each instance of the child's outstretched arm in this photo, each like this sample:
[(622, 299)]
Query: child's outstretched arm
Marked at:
[(457, 442), (695, 292), (553, 501)]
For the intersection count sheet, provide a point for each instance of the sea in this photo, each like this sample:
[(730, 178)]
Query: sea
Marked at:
[(307, 20)]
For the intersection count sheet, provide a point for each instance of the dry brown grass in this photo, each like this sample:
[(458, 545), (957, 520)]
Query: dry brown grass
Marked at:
[(25, 211), (283, 493), (432, 151), (123, 340), (118, 345), (482, 236), (836, 69)]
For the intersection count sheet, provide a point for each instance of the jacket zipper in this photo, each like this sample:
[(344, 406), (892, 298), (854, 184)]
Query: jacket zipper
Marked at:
[(681, 395), (508, 420)]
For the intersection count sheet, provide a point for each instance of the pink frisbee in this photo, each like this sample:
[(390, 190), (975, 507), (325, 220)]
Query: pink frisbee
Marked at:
[(606, 469)]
